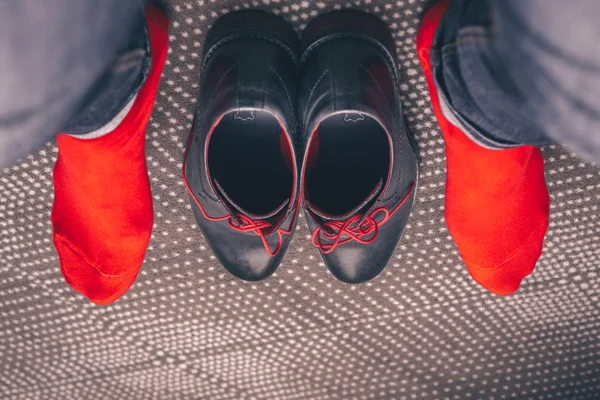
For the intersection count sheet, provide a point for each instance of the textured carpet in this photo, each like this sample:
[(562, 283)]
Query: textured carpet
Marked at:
[(189, 330)]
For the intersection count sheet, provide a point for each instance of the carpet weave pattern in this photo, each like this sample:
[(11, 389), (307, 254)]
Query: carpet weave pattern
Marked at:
[(189, 330)]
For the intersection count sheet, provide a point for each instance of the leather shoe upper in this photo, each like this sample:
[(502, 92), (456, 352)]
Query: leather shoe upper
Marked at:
[(360, 167), (240, 167)]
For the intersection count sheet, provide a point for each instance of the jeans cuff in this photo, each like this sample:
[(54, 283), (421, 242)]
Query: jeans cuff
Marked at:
[(119, 85), (471, 131)]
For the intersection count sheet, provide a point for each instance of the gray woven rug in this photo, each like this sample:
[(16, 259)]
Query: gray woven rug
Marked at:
[(189, 330)]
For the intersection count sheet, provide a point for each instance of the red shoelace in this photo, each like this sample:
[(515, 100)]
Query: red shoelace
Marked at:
[(358, 228), (246, 225), (249, 225)]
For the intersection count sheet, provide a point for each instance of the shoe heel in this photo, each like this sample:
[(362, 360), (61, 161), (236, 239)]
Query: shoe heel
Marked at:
[(348, 22), (255, 22)]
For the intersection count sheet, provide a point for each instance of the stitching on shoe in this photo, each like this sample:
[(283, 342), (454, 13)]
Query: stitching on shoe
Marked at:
[(393, 123), (228, 39), (312, 92), (286, 92), (214, 94), (364, 38)]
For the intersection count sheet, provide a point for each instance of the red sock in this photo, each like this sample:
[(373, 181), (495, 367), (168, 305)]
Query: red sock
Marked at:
[(102, 213), (497, 203)]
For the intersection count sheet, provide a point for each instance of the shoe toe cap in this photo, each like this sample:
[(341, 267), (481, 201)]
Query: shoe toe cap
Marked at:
[(355, 263), (249, 261), (243, 254)]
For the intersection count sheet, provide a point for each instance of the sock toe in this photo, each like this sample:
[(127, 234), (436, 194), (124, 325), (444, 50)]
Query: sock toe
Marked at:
[(505, 279), (88, 280)]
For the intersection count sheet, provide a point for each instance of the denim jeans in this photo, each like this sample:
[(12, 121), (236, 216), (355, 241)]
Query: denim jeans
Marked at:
[(513, 72), (66, 65)]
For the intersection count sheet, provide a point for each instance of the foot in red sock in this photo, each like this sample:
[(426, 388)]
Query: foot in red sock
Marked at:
[(102, 214), (497, 203)]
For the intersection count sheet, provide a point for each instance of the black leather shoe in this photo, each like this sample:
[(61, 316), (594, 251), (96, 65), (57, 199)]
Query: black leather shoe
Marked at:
[(240, 166), (360, 167)]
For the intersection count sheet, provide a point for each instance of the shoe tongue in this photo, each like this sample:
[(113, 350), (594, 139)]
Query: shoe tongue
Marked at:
[(361, 208), (234, 209)]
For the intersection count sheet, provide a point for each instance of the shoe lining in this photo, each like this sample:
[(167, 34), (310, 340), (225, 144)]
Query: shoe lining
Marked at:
[(347, 159), (249, 156)]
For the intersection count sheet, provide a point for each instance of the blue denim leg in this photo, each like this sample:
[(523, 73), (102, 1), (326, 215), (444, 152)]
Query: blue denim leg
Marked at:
[(475, 90), (118, 85), (515, 72), (551, 48), (54, 58)]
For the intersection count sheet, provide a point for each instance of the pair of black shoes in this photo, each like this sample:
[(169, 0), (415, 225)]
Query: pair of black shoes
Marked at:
[(316, 123)]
